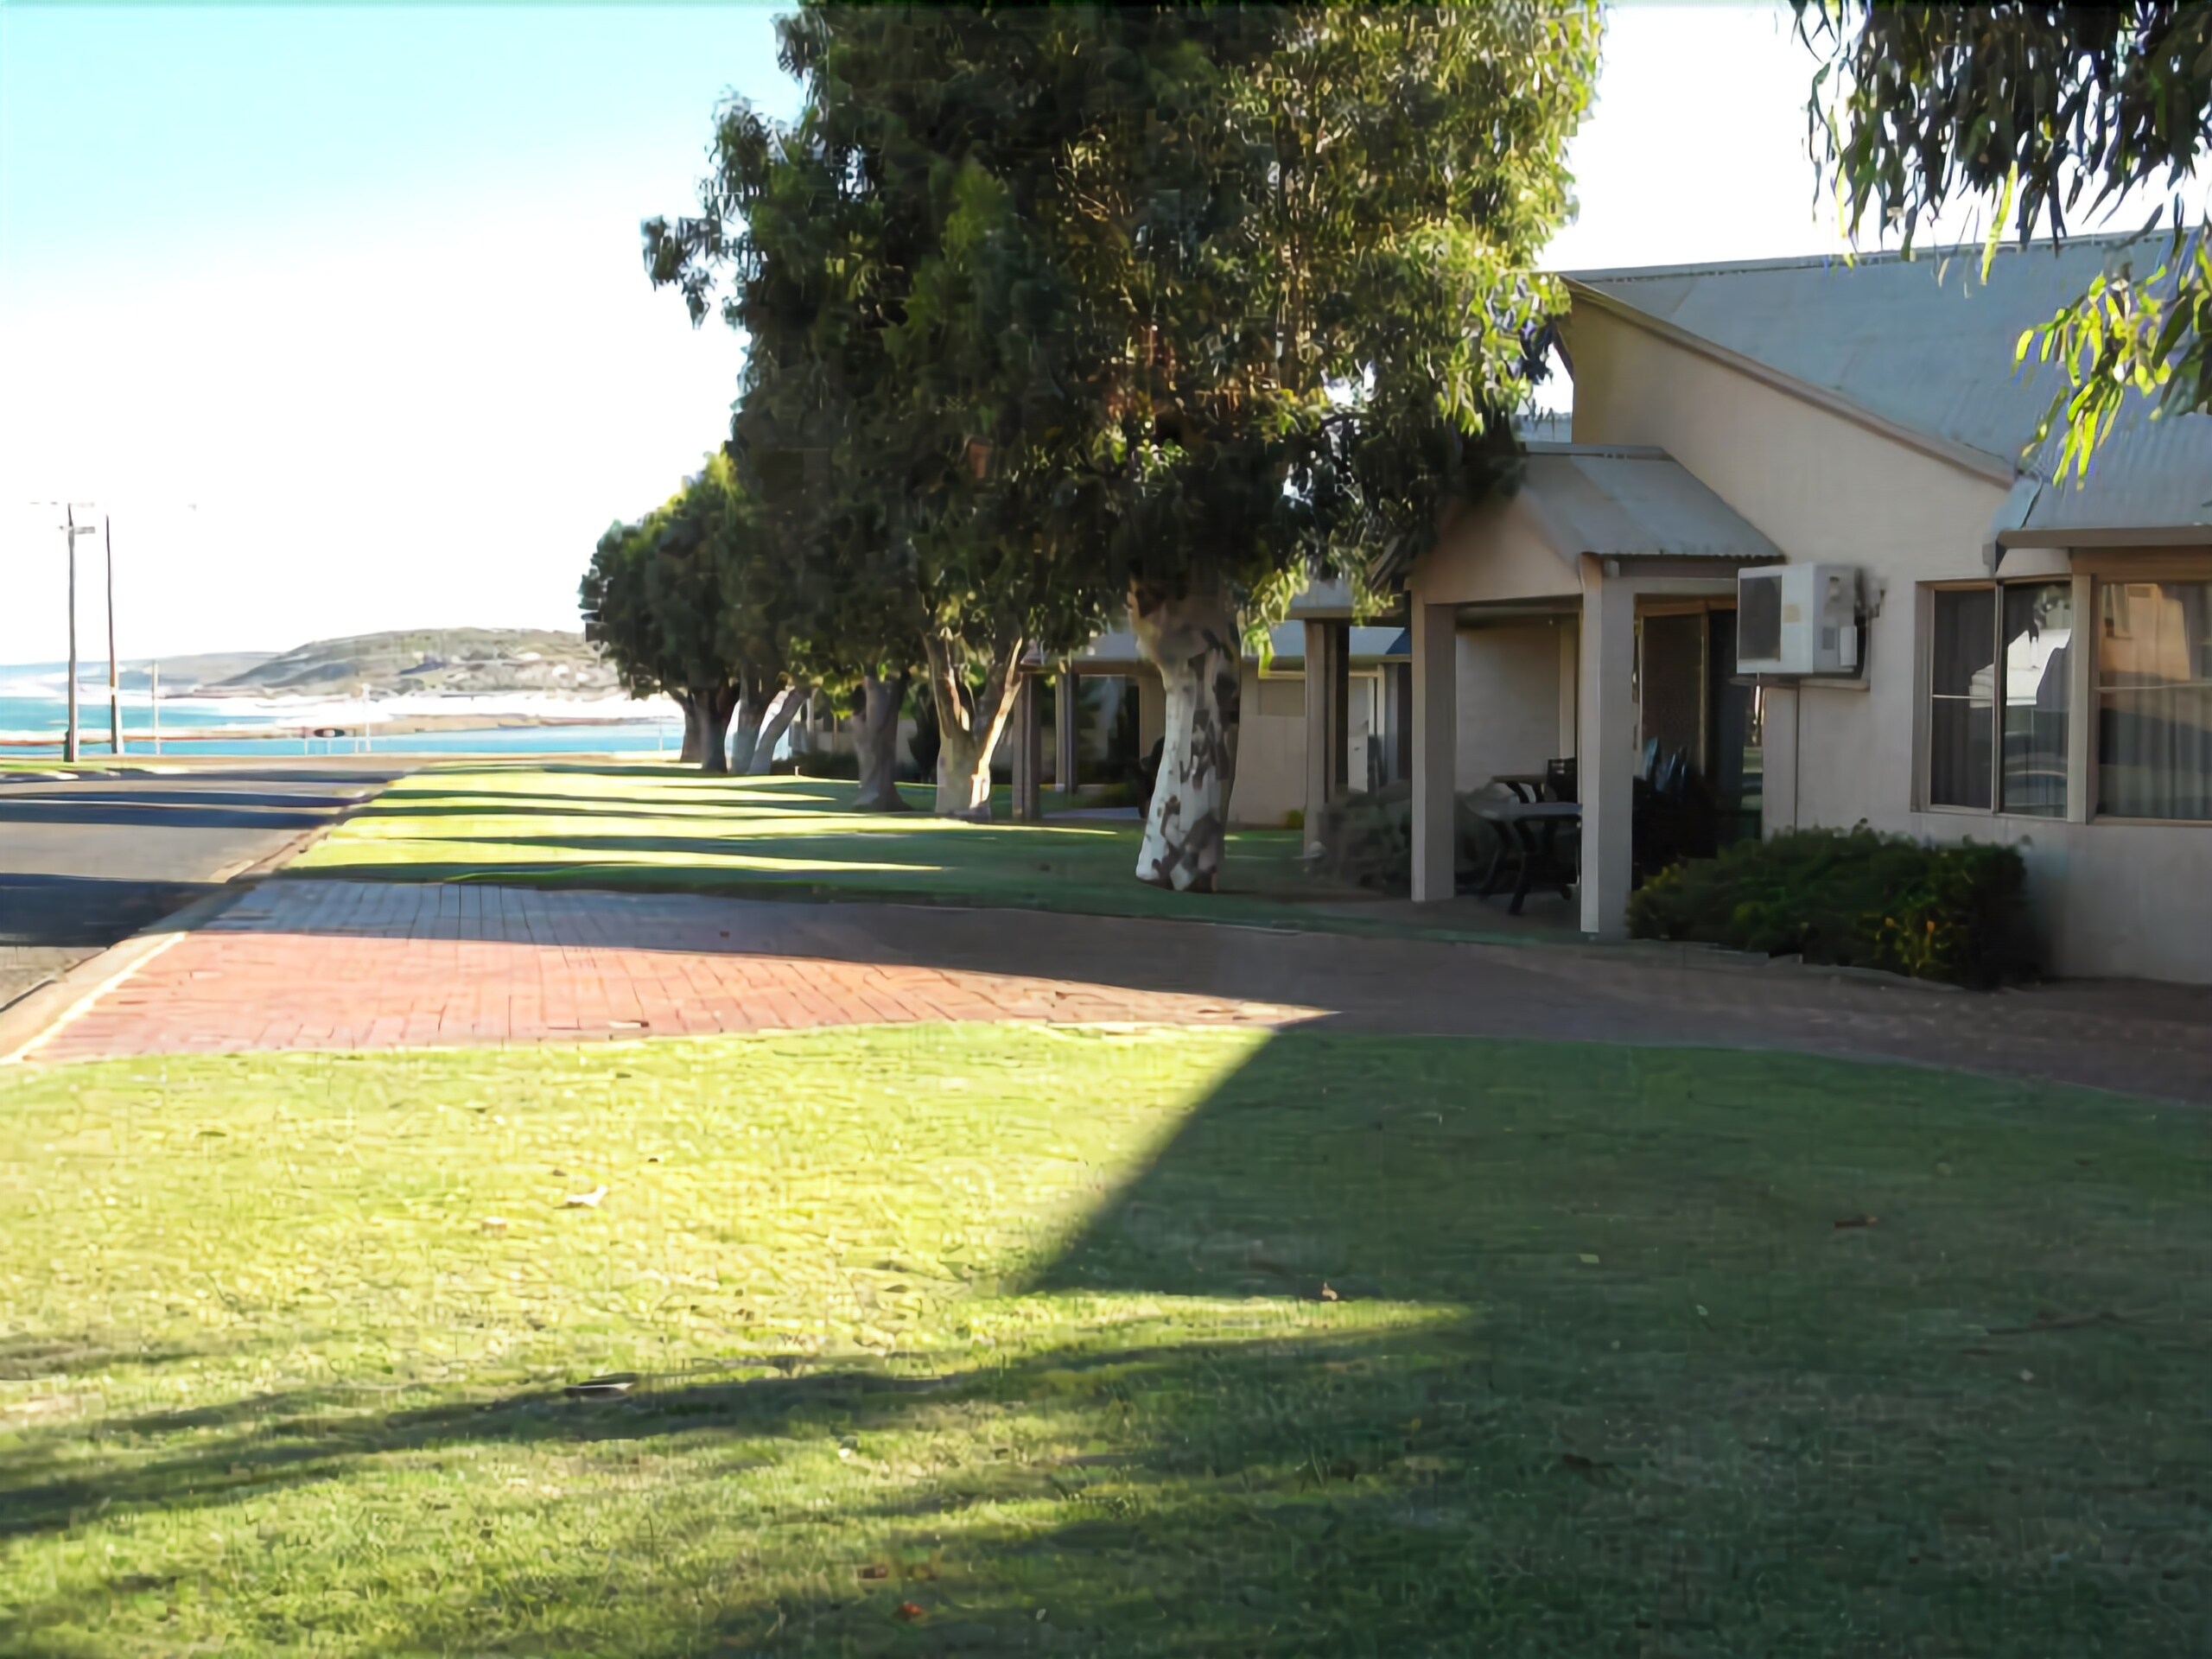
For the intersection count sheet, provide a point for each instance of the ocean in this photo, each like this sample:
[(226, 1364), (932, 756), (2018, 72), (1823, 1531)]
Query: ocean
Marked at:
[(34, 716)]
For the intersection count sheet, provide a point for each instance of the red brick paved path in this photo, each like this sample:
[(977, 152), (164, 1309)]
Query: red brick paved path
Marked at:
[(343, 964), (304, 963)]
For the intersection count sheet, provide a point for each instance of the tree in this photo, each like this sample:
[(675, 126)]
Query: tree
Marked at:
[(687, 602), (1318, 227), (894, 415), (2039, 114), (1154, 305)]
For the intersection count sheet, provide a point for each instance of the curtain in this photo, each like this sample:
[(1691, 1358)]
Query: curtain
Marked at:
[(2154, 677), (1962, 684)]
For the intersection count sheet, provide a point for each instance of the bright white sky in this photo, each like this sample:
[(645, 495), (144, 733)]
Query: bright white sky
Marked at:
[(364, 285)]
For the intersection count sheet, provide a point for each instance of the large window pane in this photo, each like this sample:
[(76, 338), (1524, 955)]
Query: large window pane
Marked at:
[(2154, 699), (1962, 679), (2038, 645)]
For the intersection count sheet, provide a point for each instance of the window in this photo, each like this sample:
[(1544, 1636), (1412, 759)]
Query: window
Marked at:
[(1961, 685), (2154, 699), (2039, 644), (1997, 715)]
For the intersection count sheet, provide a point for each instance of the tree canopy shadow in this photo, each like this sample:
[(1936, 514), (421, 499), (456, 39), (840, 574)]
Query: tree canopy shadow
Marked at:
[(84, 911), (1418, 1346)]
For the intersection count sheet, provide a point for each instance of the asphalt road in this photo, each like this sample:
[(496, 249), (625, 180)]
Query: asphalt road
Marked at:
[(85, 862)]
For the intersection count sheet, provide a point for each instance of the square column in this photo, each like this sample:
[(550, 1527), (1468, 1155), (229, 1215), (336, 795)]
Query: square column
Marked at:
[(1064, 706), (1605, 751), (1028, 753), (1435, 750), (1328, 729), (1778, 756)]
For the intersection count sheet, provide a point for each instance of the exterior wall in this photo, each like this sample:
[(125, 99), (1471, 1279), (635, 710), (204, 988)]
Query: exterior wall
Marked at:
[(1495, 553), (1508, 679), (1270, 752), (2126, 899)]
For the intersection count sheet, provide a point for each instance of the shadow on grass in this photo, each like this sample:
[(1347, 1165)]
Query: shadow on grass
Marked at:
[(1430, 1346)]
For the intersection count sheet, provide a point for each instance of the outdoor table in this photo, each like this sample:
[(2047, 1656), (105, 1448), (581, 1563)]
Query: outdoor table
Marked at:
[(1528, 831)]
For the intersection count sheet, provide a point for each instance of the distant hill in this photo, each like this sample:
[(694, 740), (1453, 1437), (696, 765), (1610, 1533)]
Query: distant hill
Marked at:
[(432, 660), (185, 673)]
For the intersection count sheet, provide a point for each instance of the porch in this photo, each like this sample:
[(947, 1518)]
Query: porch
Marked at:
[(1582, 631)]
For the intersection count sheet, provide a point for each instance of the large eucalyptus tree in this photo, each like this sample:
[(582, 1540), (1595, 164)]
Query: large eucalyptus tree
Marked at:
[(1169, 306), (1316, 230)]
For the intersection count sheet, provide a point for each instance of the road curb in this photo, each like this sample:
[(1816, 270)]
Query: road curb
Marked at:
[(40, 1014), (29, 1022)]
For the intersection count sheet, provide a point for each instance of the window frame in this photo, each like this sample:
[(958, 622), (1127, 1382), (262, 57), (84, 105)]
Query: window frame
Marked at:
[(2096, 571), (2091, 570), (1925, 701)]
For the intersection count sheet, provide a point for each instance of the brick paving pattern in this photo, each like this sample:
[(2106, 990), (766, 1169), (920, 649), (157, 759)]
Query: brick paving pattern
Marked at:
[(301, 963), (380, 965)]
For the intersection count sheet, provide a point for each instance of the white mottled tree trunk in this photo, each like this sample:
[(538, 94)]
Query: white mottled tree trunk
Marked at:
[(968, 724), (1192, 640), (782, 708), (875, 744), (744, 730)]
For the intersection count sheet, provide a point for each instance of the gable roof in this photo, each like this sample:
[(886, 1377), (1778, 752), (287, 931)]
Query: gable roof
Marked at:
[(1632, 501), (1925, 347)]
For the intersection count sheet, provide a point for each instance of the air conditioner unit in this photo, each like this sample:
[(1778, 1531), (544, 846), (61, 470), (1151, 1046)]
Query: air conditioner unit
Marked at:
[(1798, 620)]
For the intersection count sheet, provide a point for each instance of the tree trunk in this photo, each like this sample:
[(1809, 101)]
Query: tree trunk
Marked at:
[(875, 744), (968, 724), (711, 711), (694, 730), (744, 734), (782, 708), (1192, 640)]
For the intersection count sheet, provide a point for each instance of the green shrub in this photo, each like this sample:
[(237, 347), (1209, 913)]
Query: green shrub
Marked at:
[(1854, 899)]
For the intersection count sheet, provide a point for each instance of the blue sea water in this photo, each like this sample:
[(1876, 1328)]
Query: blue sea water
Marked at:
[(45, 718)]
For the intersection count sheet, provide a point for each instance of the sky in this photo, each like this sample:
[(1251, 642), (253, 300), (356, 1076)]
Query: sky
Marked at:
[(339, 313)]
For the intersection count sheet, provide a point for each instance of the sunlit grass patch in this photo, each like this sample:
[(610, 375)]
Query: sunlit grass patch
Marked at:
[(1140, 1342), (664, 828)]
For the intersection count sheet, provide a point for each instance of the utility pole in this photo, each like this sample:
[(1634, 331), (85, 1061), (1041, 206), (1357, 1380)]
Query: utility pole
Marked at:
[(69, 738), (114, 680), (154, 705)]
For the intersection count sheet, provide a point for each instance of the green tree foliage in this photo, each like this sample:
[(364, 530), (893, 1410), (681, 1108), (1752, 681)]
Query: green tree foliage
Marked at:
[(1313, 232), (892, 422), (2042, 115), (690, 602), (1055, 308)]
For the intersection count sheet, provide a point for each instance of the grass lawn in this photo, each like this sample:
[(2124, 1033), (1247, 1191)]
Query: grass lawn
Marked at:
[(659, 827), (1139, 1343)]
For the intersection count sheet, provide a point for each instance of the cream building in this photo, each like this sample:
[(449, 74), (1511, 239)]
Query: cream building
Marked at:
[(2034, 660)]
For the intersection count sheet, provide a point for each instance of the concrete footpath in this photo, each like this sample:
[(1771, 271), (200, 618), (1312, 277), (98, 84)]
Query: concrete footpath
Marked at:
[(305, 964)]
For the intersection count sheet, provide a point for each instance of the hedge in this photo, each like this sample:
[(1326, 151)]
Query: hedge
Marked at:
[(1855, 898)]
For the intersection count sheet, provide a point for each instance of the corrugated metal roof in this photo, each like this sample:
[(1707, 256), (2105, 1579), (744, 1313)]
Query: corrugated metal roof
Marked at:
[(1113, 650), (1925, 344), (1620, 501)]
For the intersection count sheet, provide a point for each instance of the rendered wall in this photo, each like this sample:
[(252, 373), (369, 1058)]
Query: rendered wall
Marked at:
[(2123, 900), (1508, 680)]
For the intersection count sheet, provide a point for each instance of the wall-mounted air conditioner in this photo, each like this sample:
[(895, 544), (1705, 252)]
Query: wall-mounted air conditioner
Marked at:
[(1800, 620)]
